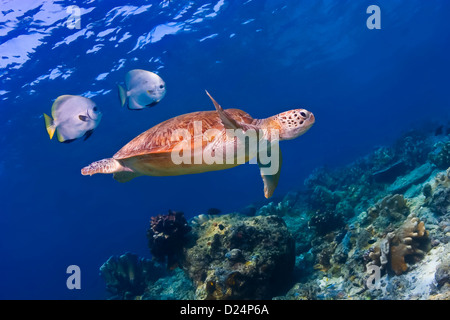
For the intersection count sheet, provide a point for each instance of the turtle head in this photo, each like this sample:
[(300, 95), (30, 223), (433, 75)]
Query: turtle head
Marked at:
[(293, 123)]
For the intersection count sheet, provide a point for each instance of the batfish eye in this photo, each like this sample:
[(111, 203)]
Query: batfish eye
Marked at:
[(95, 109), (161, 86)]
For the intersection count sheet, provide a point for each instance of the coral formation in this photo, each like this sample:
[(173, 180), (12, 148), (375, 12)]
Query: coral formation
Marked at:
[(390, 209), (236, 257), (166, 236), (442, 275), (128, 275), (326, 221), (440, 156), (439, 200), (381, 227), (290, 205), (174, 286), (406, 243), (413, 148)]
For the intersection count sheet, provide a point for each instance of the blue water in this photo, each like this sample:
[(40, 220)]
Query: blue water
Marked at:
[(365, 87)]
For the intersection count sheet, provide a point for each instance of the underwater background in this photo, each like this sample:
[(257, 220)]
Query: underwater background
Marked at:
[(365, 87)]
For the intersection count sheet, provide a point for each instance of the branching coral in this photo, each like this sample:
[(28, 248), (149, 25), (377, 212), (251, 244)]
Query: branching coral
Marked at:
[(166, 236), (406, 244)]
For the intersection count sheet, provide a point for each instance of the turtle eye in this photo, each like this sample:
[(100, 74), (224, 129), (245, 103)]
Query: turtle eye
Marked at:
[(303, 114)]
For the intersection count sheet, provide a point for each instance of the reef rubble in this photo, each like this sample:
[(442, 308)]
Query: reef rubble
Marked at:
[(378, 228)]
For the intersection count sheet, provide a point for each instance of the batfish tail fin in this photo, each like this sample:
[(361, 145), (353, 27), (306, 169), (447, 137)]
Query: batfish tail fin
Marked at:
[(109, 165), (49, 125), (122, 94)]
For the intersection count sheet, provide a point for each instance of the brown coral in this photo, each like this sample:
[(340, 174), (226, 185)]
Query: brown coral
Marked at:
[(406, 244)]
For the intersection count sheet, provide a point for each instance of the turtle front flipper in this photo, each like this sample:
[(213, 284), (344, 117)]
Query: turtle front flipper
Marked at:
[(270, 172), (109, 165)]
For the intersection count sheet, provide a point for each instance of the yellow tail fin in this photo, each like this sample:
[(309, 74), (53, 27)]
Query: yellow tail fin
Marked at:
[(49, 125), (122, 94)]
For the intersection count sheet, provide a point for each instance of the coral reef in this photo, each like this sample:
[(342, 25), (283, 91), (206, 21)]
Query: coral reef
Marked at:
[(440, 156), (249, 210), (166, 236), (378, 228), (413, 147), (128, 275), (298, 228), (390, 173), (439, 196), (442, 275), (390, 209), (290, 205), (417, 175), (237, 257), (174, 286), (326, 221), (407, 248)]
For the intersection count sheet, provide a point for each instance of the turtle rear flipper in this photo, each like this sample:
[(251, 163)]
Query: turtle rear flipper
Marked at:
[(125, 176)]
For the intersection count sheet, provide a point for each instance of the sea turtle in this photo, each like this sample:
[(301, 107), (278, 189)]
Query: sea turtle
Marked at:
[(154, 152)]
